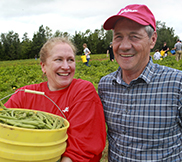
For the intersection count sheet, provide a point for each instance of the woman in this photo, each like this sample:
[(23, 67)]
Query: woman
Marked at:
[(87, 52), (77, 98)]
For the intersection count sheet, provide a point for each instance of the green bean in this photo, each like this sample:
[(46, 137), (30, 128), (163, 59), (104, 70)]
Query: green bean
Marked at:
[(12, 113), (4, 112), (2, 105), (8, 121), (22, 116), (61, 124), (35, 118), (6, 117), (25, 126), (48, 124), (55, 123), (36, 123), (29, 119), (30, 113), (51, 119), (39, 115), (47, 118)]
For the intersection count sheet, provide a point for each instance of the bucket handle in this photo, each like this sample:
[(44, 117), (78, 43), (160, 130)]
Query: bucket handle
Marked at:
[(36, 92)]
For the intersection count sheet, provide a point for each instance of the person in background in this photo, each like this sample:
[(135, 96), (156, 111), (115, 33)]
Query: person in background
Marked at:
[(165, 48), (110, 52), (142, 101), (35, 57), (157, 55), (178, 49), (87, 52), (77, 98)]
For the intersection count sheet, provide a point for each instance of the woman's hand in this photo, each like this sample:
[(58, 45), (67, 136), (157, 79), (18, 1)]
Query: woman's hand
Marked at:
[(65, 159)]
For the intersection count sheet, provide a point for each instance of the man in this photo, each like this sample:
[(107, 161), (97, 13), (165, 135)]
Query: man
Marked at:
[(110, 52), (165, 48), (141, 100), (178, 47)]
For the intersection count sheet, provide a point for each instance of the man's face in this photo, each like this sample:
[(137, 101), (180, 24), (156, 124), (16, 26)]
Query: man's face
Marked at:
[(131, 46)]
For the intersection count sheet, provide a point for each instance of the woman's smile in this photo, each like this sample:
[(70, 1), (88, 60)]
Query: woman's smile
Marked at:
[(62, 63)]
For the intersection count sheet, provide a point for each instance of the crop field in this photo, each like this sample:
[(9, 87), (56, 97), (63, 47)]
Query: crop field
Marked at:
[(15, 74)]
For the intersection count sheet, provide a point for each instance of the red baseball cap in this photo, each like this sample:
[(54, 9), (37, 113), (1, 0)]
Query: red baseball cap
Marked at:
[(138, 13)]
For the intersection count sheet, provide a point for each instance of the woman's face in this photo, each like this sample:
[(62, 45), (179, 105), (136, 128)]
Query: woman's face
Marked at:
[(59, 66)]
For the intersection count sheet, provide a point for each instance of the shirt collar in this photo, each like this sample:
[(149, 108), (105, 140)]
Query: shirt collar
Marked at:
[(146, 75)]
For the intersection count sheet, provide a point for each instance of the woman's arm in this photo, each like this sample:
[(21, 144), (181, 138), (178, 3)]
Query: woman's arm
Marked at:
[(88, 52), (87, 131)]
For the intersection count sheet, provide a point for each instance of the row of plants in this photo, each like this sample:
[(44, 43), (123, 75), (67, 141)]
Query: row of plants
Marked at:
[(15, 74)]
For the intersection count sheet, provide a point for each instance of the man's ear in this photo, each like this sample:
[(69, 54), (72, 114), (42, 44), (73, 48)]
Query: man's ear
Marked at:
[(153, 40)]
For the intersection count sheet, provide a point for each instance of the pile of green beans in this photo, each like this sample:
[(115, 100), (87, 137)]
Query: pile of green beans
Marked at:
[(29, 119)]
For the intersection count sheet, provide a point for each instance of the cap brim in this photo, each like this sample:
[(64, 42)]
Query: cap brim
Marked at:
[(111, 21)]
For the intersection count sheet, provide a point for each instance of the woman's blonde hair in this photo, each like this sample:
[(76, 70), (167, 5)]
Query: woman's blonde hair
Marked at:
[(84, 44), (44, 52)]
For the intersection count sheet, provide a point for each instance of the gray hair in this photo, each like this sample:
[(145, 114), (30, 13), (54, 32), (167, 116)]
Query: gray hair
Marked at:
[(149, 29)]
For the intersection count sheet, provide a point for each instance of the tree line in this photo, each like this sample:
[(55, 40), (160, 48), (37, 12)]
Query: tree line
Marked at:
[(11, 48)]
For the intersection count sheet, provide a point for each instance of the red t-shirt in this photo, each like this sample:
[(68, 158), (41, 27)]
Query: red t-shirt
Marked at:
[(82, 108)]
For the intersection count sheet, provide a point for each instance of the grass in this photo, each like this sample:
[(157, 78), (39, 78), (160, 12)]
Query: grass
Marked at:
[(18, 73), (15, 74), (105, 153)]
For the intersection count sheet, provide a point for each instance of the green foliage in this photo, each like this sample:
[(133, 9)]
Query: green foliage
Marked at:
[(11, 48), (165, 34), (97, 70), (15, 74), (26, 47), (38, 40), (170, 61)]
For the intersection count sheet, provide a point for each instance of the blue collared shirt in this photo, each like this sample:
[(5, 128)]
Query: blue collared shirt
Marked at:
[(143, 117)]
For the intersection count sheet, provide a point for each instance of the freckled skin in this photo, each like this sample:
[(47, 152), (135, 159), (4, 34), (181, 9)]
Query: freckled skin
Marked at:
[(59, 66)]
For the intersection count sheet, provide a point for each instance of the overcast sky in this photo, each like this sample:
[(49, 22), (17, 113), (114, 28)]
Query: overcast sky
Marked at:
[(69, 16)]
